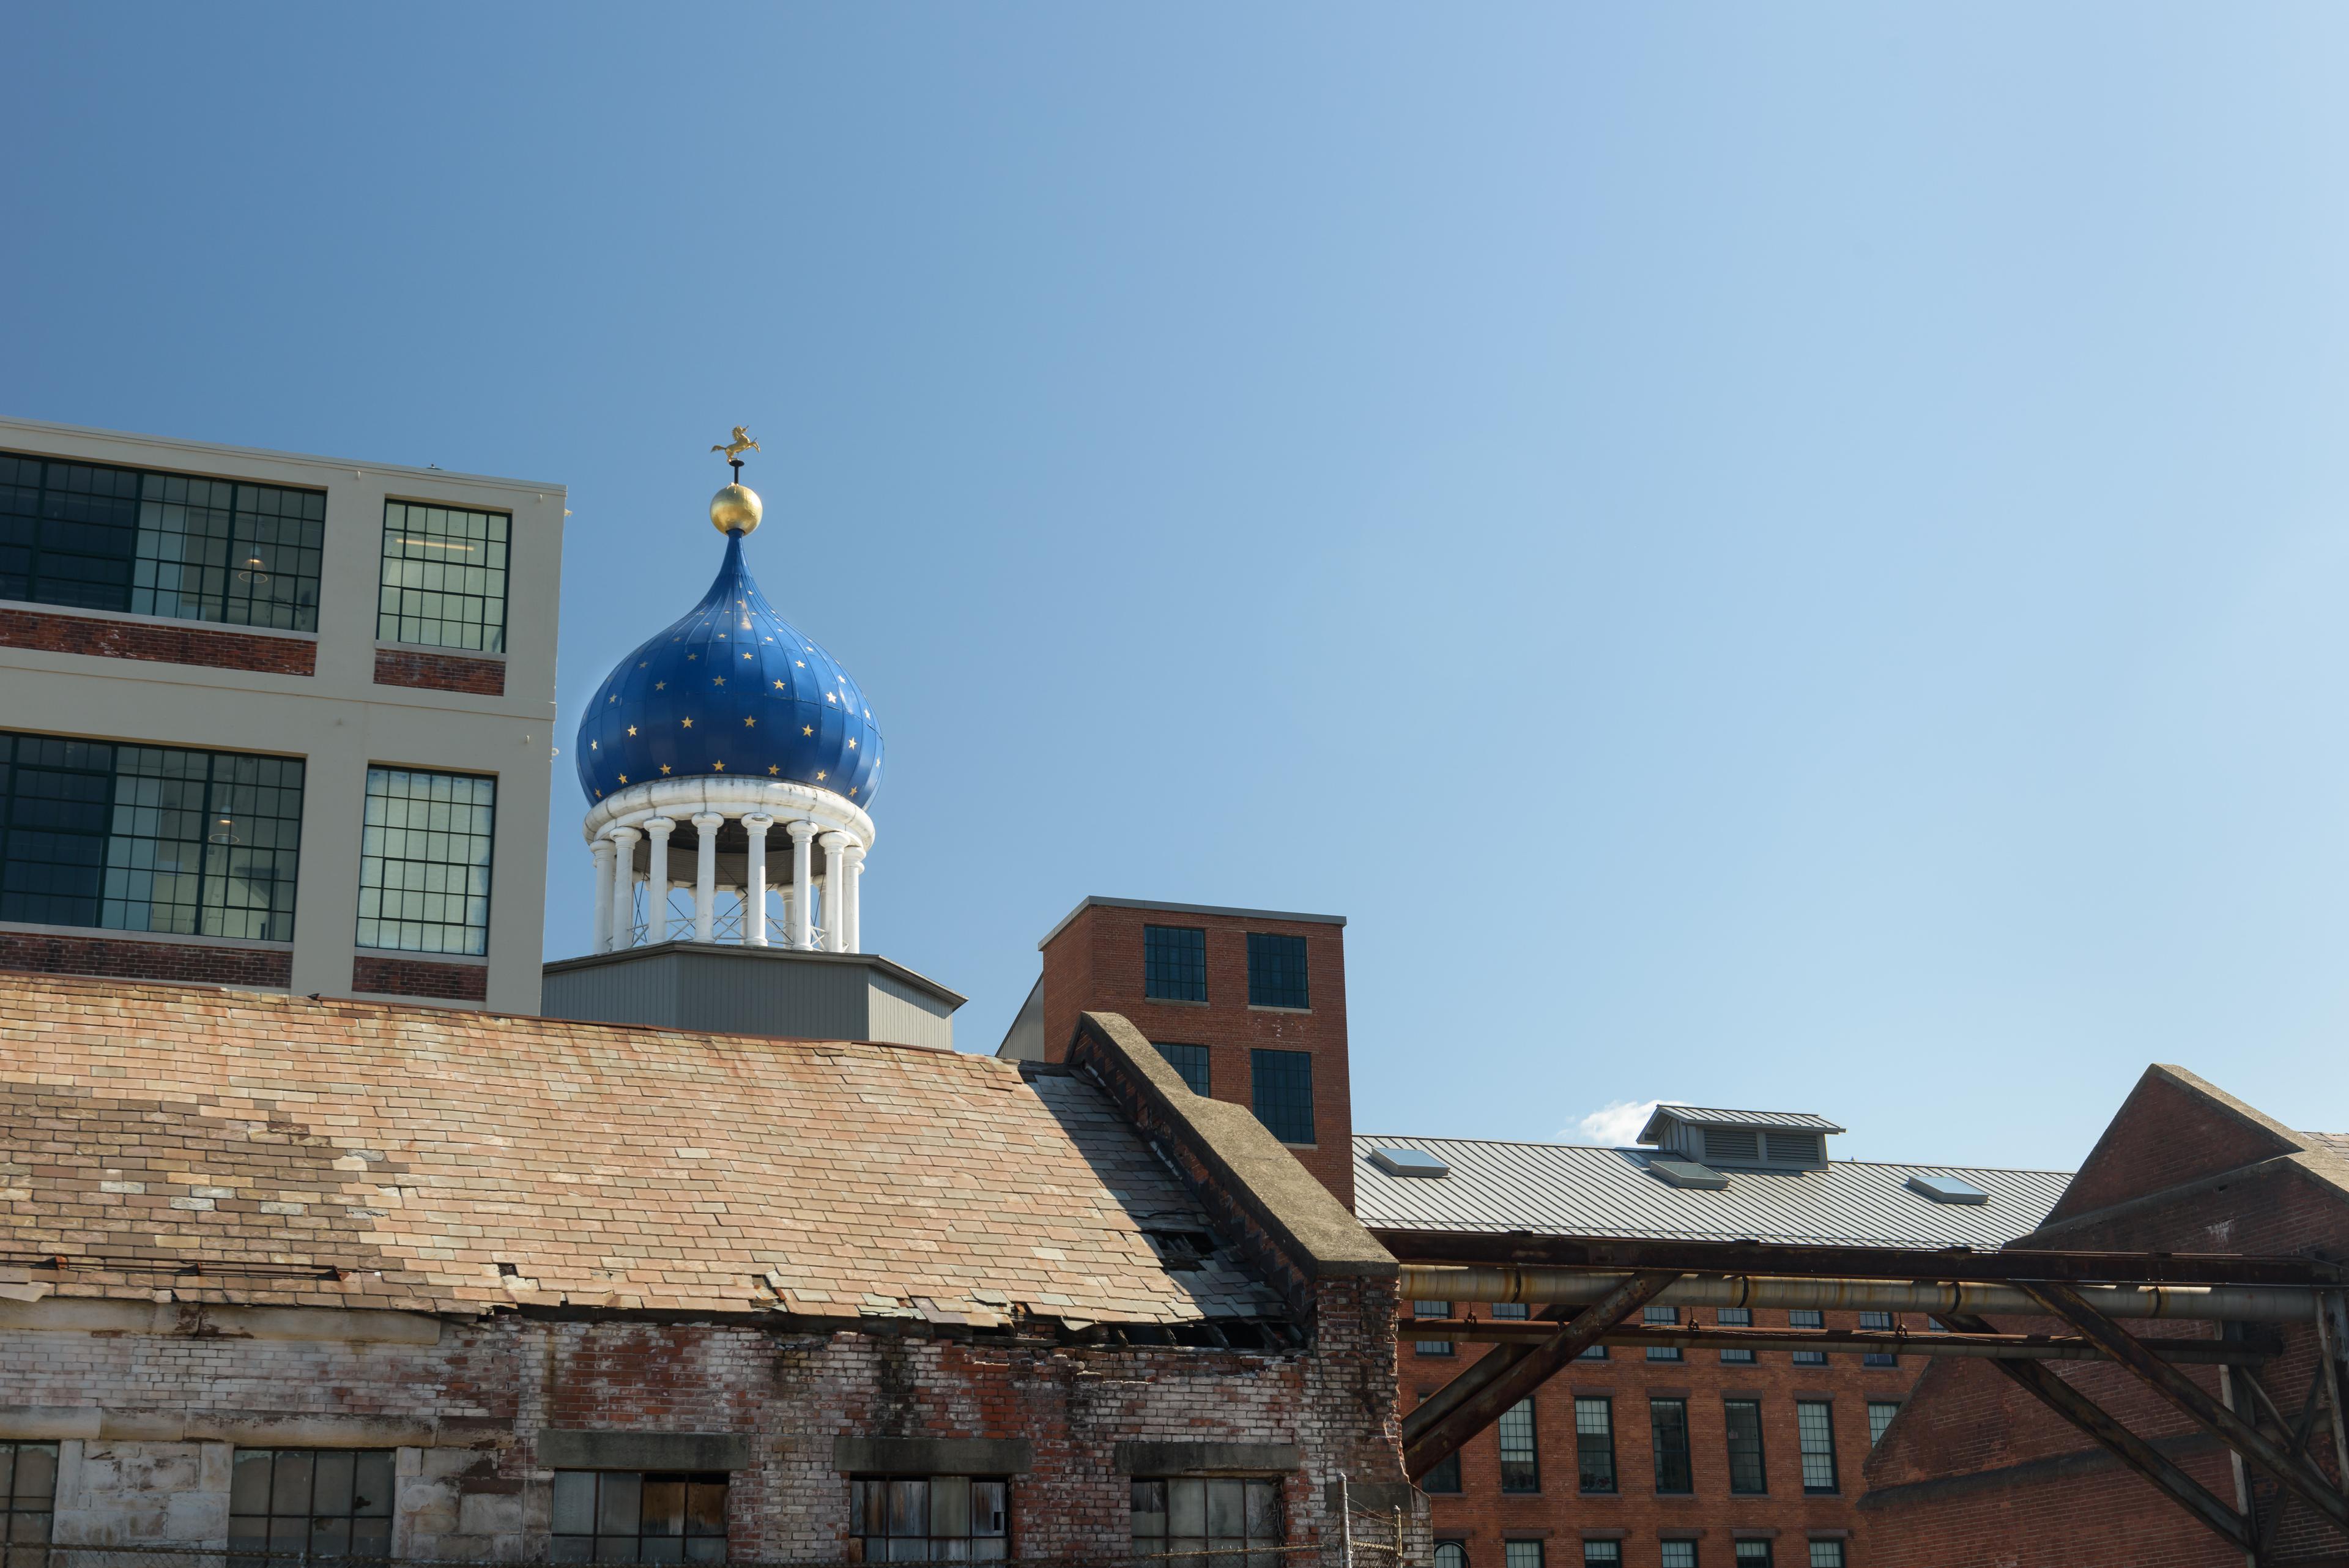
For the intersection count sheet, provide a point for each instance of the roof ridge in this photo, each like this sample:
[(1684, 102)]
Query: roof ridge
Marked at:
[(1381, 1139)]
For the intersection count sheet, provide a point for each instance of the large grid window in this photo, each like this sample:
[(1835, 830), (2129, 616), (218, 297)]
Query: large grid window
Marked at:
[(1808, 1317), (324, 1502), (1736, 1317), (1208, 1513), (1879, 1415), (424, 861), (1826, 1553), (444, 576), (1521, 1555), (638, 1516), (1662, 1317), (95, 537), (1277, 972), (1882, 1320), (1594, 1443), (29, 1500), (1747, 1476), (1520, 1461), (1677, 1554), (1450, 1554), (1430, 1346), (1668, 1424), (148, 839), (1190, 1061), (1610, 1553), (1754, 1554), (1814, 1429), (1282, 1084), (1174, 963)]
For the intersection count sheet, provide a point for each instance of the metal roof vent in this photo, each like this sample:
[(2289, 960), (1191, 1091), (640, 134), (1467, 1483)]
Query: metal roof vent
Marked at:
[(1946, 1189), (1687, 1173), (1408, 1162), (1766, 1141)]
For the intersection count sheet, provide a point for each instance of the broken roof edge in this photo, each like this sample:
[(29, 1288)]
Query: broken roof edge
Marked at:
[(1092, 900), (1256, 1171)]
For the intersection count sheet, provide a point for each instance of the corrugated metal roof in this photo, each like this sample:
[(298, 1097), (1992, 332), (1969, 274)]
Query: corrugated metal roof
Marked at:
[(1699, 1117), (1573, 1190)]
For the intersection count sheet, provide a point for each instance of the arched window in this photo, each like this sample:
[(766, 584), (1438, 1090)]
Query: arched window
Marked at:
[(1450, 1554)]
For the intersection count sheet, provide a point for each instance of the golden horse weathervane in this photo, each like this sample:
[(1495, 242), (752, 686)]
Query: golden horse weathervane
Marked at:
[(738, 446)]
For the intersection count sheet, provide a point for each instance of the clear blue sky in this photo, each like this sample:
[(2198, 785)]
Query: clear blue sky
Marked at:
[(1786, 557)]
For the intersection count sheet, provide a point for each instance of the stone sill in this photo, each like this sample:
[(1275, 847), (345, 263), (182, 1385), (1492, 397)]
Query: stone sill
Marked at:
[(160, 938), (127, 617), (437, 649)]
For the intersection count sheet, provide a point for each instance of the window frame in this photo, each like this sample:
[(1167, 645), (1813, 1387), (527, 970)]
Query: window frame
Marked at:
[(1876, 1429), (1732, 1411), (1816, 1418), (1203, 1084), (12, 1505), (280, 1523), (375, 836), (859, 1505), (1688, 1552), (1161, 981), (1457, 1547), (1270, 955), (1807, 1317), (1879, 1320), (1522, 1552), (1602, 1550), (1247, 1547), (1594, 1446), (1827, 1552), (1430, 1346), (1661, 1317), (1742, 1318), (1524, 1471), (1260, 1059), (1656, 1407), (393, 621), (594, 1537)]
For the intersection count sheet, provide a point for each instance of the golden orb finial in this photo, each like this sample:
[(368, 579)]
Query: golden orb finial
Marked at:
[(735, 509)]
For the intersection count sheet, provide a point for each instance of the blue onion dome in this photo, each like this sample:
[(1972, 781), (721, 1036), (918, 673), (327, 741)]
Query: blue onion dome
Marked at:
[(731, 690)]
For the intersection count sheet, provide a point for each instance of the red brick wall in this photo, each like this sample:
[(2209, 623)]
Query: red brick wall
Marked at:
[(1094, 964), (414, 977), (439, 671), (1483, 1516), (220, 650), (124, 957)]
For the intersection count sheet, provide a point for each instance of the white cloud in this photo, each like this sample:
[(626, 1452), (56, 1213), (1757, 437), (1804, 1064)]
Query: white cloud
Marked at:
[(1614, 1125)]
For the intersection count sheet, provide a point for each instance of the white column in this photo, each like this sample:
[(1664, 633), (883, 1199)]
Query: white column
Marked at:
[(802, 926), (623, 888), (852, 901), (835, 893), (657, 879), (705, 873), (786, 891), (601, 848), (754, 880)]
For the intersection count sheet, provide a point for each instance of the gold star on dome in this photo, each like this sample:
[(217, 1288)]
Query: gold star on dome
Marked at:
[(719, 766), (692, 655), (632, 729), (749, 723), (801, 662), (807, 729), (664, 767), (820, 775), (851, 745), (593, 746), (660, 685), (779, 686), (851, 789), (615, 697), (718, 680), (624, 778), (830, 697), (773, 770), (688, 724)]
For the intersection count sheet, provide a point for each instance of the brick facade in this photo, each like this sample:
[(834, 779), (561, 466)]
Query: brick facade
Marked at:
[(1093, 963), (128, 958), (1977, 1472), (418, 977), (439, 671), (164, 643), (1481, 1516)]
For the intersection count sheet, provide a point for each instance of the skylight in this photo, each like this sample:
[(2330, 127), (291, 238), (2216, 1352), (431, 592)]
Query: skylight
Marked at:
[(1687, 1173), (1946, 1189), (1408, 1162)]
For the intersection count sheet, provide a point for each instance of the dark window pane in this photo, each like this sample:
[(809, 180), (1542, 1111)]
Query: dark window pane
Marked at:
[(1174, 963), (1814, 1430), (1520, 1461), (1277, 970), (1746, 1473), (1283, 1086), (1594, 1443), (1668, 1424), (1190, 1061)]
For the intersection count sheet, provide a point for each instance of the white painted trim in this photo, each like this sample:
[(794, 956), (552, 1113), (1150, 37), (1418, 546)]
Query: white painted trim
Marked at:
[(426, 476), (779, 798)]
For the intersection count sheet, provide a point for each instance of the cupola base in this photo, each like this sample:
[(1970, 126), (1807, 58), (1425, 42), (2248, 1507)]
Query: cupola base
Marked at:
[(721, 988)]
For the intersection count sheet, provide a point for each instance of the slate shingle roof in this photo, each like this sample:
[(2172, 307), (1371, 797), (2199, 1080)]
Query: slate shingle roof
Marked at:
[(274, 1139)]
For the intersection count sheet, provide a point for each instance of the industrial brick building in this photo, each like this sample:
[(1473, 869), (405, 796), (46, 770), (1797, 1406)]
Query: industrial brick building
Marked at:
[(350, 1276), (1983, 1471)]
